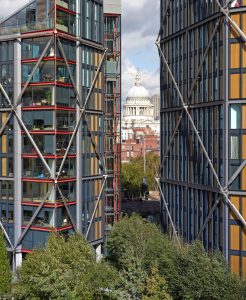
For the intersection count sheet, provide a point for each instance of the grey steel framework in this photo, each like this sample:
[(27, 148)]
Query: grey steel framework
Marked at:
[(192, 207), (83, 110), (112, 129)]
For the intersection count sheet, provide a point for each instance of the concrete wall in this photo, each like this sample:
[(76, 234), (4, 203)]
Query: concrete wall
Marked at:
[(112, 6)]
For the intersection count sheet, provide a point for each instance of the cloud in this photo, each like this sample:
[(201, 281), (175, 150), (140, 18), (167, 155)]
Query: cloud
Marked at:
[(140, 23), (150, 80), (10, 6)]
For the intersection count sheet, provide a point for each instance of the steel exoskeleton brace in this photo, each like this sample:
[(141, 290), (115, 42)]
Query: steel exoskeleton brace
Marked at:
[(13, 112), (223, 190)]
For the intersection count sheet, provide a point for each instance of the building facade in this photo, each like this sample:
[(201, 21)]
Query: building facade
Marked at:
[(52, 171), (112, 111), (203, 124), (139, 142)]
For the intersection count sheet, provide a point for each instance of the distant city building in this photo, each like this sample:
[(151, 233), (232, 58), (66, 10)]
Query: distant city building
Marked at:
[(139, 141), (155, 100), (138, 109)]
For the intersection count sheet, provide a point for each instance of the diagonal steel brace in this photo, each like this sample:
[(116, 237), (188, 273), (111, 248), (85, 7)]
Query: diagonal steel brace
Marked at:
[(234, 176), (33, 72), (37, 211), (167, 210), (164, 19), (78, 99), (96, 206), (237, 213), (81, 114), (241, 33), (14, 107), (234, 24), (193, 85), (92, 138), (67, 209), (26, 131), (25, 86), (6, 236), (77, 94)]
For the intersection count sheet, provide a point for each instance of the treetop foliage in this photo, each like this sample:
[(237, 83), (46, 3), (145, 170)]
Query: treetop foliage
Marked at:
[(143, 264), (185, 272), (5, 273), (133, 172)]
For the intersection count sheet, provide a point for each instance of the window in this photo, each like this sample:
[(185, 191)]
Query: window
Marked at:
[(234, 147), (235, 117)]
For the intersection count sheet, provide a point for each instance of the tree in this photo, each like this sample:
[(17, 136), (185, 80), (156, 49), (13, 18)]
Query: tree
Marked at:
[(133, 172), (132, 278), (180, 272), (64, 270), (194, 274), (156, 286), (5, 272), (132, 176), (137, 235), (133, 247)]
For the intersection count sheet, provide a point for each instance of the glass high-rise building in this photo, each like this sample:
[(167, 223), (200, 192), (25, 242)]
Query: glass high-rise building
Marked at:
[(52, 161), (203, 174)]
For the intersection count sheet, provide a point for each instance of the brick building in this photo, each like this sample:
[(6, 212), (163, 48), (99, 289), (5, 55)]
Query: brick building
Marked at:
[(137, 141)]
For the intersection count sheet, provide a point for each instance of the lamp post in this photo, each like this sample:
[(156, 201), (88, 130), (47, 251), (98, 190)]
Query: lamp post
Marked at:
[(144, 155)]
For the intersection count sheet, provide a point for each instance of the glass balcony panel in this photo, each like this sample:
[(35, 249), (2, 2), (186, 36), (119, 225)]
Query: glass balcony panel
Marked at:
[(44, 218), (66, 22), (34, 168), (68, 4), (69, 48), (7, 190), (65, 120), (63, 74), (62, 142), (38, 96), (27, 19), (45, 143), (36, 192), (6, 213), (33, 48), (65, 97), (68, 170), (62, 217), (38, 120), (7, 74), (68, 191), (44, 73), (3, 102)]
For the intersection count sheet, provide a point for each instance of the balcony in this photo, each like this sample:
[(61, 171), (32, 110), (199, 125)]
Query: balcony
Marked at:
[(36, 191), (66, 22), (67, 4), (21, 28)]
